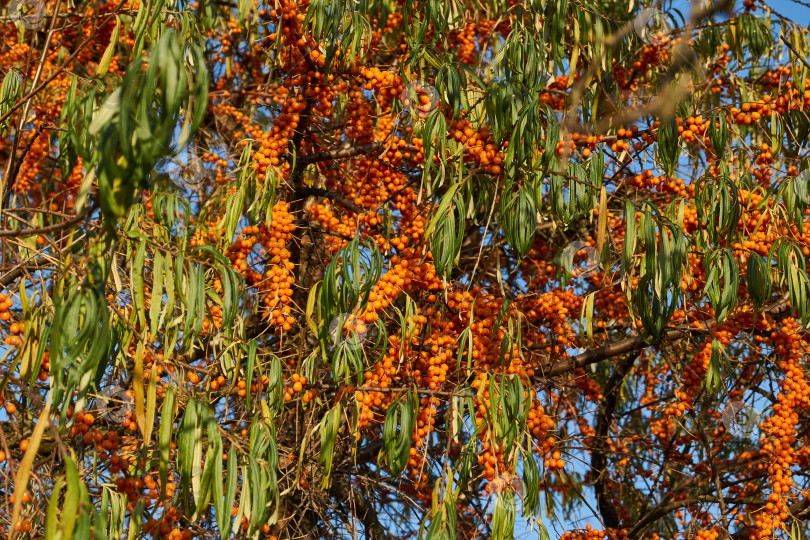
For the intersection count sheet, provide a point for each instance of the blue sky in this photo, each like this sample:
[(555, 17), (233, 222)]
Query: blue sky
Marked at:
[(798, 11)]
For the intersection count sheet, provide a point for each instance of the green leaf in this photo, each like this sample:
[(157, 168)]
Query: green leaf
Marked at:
[(718, 133), (519, 220), (53, 508), (156, 298), (329, 432), (669, 147), (503, 517), (244, 9), (165, 438), (531, 485), (714, 376), (224, 519), (251, 361), (219, 491), (189, 437), (441, 211), (629, 238), (758, 279), (104, 63), (397, 434), (136, 270), (70, 510)]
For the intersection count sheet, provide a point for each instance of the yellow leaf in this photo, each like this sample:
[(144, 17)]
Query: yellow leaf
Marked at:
[(104, 64), (313, 295), (151, 399), (140, 415), (24, 469), (573, 64), (602, 223)]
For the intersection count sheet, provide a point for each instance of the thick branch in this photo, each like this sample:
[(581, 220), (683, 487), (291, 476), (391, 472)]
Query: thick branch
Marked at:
[(47, 229), (320, 192), (624, 346), (627, 345), (363, 509), (610, 517), (665, 509), (340, 153), (8, 277)]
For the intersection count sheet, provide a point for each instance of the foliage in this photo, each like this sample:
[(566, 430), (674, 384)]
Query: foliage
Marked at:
[(417, 268)]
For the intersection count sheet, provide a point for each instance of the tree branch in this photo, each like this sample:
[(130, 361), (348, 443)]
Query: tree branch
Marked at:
[(320, 192), (40, 230), (363, 509), (800, 57), (8, 277), (624, 346), (340, 153), (610, 517)]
